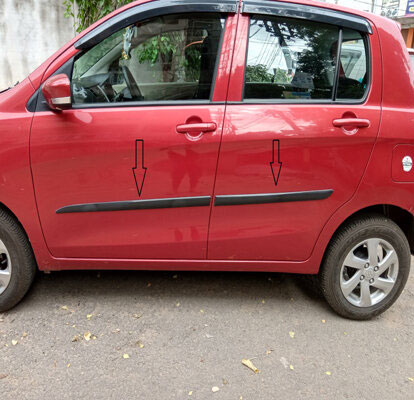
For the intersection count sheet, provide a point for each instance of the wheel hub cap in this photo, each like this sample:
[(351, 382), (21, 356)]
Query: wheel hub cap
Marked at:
[(369, 273)]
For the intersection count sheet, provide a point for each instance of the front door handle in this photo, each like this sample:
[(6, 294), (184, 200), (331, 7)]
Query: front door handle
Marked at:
[(197, 128), (351, 123)]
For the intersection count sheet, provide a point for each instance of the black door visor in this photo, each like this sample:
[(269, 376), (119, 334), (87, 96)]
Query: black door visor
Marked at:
[(156, 8), (152, 9), (310, 13)]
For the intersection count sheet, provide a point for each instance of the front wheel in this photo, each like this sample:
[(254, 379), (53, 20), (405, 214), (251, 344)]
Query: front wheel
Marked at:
[(17, 262), (365, 267)]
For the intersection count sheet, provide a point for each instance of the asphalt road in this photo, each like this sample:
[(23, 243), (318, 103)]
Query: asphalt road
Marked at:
[(161, 335)]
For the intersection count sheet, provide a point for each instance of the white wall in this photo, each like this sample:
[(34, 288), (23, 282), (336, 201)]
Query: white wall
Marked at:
[(30, 31)]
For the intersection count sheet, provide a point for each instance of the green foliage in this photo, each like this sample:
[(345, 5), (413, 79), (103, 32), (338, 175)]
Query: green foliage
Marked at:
[(258, 73), (192, 63), (86, 12), (281, 76), (167, 49), (162, 45)]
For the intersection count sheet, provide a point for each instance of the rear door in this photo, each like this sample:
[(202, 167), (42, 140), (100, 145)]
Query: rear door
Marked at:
[(302, 118), (129, 171)]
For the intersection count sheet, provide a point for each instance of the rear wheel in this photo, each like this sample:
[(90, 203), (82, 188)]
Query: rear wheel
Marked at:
[(366, 267), (17, 262)]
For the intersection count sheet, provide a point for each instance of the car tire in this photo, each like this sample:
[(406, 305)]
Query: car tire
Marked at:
[(17, 262), (357, 256)]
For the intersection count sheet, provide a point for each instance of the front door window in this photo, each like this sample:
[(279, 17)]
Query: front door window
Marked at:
[(165, 58)]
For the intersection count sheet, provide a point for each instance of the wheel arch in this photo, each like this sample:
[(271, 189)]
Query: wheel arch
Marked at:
[(6, 209), (403, 218)]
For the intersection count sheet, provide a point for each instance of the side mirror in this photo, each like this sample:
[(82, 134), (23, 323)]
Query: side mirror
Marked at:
[(56, 91)]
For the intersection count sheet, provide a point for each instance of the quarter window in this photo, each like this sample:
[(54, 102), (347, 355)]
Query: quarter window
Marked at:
[(353, 75), (161, 59), (291, 59)]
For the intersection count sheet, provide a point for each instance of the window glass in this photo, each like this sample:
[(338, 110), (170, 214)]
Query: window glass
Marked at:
[(411, 58), (352, 81), (164, 58), (290, 59)]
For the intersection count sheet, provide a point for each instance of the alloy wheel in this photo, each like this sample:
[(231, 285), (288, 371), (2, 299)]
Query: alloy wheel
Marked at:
[(369, 272), (5, 267)]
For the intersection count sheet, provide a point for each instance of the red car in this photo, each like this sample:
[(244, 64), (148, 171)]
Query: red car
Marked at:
[(216, 135)]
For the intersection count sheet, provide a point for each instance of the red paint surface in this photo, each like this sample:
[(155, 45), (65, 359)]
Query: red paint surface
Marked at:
[(50, 160), (315, 155), (92, 153)]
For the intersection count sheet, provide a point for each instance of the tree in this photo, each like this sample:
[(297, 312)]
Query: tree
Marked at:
[(86, 12), (258, 73)]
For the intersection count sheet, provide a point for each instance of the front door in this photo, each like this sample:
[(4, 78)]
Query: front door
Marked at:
[(129, 171), (302, 119)]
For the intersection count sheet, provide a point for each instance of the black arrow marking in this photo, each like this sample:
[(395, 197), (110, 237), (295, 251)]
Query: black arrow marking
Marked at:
[(275, 164), (139, 170)]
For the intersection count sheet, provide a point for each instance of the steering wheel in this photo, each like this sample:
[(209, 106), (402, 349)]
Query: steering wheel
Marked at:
[(93, 88), (131, 84), (102, 89)]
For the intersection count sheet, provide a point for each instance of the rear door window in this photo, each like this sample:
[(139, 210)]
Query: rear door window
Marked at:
[(293, 59)]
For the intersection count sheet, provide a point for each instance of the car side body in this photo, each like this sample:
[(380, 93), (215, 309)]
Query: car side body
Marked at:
[(324, 176)]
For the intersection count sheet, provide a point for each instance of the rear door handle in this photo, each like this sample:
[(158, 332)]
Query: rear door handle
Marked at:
[(351, 123), (201, 127)]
